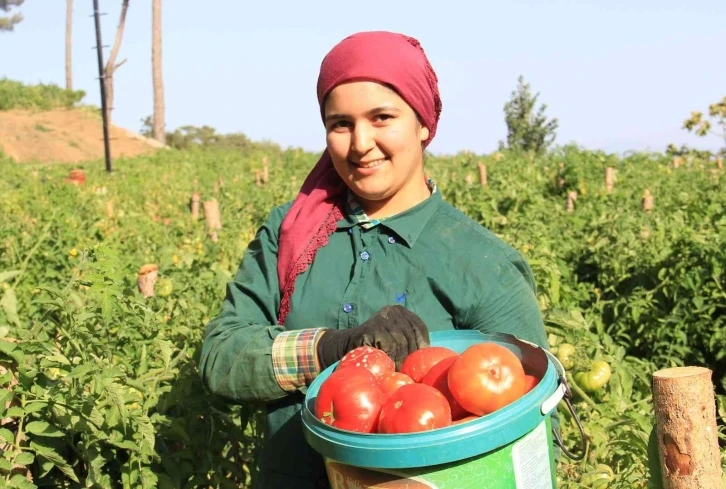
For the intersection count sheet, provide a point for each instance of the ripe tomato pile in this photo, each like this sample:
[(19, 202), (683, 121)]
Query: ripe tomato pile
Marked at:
[(435, 388)]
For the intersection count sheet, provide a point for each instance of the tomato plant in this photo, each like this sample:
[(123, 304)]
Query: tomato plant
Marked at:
[(638, 290), (414, 407), (368, 357), (486, 377), (418, 363), (350, 399)]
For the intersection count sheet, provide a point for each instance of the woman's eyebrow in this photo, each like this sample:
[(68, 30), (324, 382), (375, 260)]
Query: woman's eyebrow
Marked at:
[(374, 111)]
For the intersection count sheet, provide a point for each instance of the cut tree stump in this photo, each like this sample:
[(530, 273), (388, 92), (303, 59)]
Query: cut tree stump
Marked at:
[(211, 215), (146, 279), (482, 174), (195, 205), (609, 179), (685, 413)]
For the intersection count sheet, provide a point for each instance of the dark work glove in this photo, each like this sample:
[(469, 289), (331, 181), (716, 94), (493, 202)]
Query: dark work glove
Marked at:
[(394, 329)]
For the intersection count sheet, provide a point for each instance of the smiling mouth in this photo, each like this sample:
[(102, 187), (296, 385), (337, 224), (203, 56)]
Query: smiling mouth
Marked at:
[(370, 164)]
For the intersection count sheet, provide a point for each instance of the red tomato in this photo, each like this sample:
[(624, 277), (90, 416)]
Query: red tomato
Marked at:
[(350, 399), (465, 419), (438, 377), (373, 359), (414, 407), (486, 377), (393, 380), (418, 363), (529, 382)]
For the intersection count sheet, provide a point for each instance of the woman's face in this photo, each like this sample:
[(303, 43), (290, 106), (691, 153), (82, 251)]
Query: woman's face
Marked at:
[(375, 140)]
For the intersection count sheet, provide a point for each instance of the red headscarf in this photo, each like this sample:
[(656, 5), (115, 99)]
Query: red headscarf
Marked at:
[(385, 57)]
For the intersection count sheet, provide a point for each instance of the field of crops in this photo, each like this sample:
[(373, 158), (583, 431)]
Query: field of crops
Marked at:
[(101, 384)]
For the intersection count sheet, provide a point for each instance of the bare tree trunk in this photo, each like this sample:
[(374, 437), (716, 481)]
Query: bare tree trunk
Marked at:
[(159, 120), (111, 65), (69, 26)]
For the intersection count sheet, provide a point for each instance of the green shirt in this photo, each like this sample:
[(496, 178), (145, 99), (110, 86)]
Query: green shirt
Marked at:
[(432, 258)]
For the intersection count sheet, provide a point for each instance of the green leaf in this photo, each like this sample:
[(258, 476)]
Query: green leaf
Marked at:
[(25, 458), (5, 465), (52, 456), (7, 435), (41, 428), (9, 303), (20, 482), (8, 274)]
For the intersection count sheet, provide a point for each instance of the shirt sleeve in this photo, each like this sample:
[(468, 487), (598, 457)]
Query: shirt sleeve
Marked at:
[(508, 303), (246, 356)]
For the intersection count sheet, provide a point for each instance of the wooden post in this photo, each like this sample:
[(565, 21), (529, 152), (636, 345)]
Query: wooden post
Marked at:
[(719, 163), (571, 198), (195, 205), (108, 208), (647, 201), (482, 174), (211, 215), (258, 178), (146, 279), (265, 170), (685, 413), (676, 161), (609, 178)]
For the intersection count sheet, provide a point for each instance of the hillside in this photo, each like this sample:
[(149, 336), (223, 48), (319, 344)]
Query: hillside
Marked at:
[(65, 136)]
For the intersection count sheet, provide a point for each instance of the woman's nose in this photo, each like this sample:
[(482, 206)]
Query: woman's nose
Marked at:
[(363, 139)]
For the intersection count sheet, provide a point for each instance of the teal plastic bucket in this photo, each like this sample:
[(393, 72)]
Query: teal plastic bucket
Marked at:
[(511, 448)]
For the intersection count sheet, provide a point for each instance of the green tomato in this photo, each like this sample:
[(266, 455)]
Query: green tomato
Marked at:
[(164, 287), (565, 354), (594, 379)]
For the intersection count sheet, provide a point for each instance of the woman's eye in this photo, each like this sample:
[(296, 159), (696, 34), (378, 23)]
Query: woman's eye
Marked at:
[(383, 117)]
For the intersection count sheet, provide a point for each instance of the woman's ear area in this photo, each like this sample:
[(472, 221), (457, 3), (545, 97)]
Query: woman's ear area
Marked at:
[(423, 133)]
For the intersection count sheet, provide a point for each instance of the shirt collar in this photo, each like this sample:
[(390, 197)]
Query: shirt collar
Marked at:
[(407, 225)]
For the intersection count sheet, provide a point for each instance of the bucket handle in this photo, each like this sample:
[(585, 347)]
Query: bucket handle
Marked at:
[(563, 392)]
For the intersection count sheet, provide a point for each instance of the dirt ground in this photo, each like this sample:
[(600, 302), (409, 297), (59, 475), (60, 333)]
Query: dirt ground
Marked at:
[(65, 136)]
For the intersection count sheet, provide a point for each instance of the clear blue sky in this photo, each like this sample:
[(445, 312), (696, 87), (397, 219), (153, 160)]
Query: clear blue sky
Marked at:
[(617, 76)]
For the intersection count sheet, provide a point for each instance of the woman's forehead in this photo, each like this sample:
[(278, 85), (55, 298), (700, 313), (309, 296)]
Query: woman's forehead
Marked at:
[(362, 96)]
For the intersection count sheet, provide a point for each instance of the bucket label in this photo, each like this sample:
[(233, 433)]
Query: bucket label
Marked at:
[(531, 460), (523, 464)]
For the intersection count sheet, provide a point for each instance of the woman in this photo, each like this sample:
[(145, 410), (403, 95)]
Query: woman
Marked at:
[(367, 253)]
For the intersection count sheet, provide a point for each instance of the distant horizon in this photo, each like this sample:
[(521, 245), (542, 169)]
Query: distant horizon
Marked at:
[(618, 78)]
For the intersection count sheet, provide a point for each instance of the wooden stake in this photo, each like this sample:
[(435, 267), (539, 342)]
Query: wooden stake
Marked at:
[(676, 161), (211, 215), (571, 198), (609, 178), (258, 178), (482, 175), (647, 201), (685, 413), (719, 163), (195, 205), (265, 171), (146, 279), (108, 208)]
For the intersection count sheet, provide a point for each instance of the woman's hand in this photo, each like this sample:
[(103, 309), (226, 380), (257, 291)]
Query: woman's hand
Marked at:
[(393, 329)]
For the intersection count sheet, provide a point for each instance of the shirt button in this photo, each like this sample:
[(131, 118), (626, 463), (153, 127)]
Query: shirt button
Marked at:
[(364, 255), (348, 307), (350, 230), (391, 239)]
